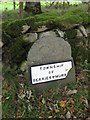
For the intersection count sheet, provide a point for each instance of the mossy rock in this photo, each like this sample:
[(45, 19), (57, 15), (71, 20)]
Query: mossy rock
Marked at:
[(71, 34), (82, 53), (78, 47), (14, 29), (66, 21), (17, 52), (5, 23), (6, 39)]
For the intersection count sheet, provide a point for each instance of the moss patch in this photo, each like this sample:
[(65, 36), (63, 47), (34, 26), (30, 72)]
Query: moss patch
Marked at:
[(67, 20), (14, 45), (14, 28), (79, 50), (16, 52)]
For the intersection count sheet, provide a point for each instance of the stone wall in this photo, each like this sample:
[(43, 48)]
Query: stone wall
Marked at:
[(78, 37)]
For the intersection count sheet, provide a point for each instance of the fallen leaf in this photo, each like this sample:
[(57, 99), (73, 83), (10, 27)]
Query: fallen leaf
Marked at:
[(50, 116), (7, 98), (18, 114), (70, 92), (29, 94), (21, 94), (43, 101), (29, 107), (62, 103), (65, 88), (1, 43), (86, 103), (68, 115)]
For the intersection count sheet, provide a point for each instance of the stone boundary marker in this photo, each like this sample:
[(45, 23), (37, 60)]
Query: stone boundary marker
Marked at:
[(48, 59)]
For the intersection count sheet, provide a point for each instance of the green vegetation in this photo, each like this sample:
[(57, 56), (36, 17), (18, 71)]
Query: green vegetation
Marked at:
[(19, 99), (7, 6), (73, 16), (12, 30)]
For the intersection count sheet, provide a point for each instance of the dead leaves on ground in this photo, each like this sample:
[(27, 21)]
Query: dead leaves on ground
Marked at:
[(63, 103), (71, 102)]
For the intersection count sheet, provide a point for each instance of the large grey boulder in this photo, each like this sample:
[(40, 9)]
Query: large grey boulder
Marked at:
[(50, 49)]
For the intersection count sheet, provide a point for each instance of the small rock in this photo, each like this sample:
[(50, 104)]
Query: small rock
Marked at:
[(48, 33), (23, 66), (42, 29), (25, 28), (79, 34), (61, 33), (83, 31), (31, 37)]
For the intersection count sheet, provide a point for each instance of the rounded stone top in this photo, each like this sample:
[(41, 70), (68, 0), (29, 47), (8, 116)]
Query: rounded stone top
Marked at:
[(49, 49)]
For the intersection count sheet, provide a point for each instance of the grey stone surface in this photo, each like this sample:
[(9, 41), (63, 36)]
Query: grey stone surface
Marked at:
[(31, 37), (1, 44), (88, 30), (61, 33), (48, 33), (41, 29), (51, 49), (79, 34), (83, 30), (25, 28)]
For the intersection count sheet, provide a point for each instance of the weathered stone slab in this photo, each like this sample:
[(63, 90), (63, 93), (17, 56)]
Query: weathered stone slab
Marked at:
[(50, 49)]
